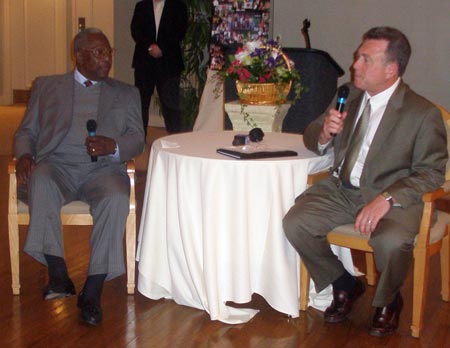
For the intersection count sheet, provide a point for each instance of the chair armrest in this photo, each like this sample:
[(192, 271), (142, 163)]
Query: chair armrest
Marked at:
[(316, 177), (131, 170), (441, 192), (12, 166), (131, 167)]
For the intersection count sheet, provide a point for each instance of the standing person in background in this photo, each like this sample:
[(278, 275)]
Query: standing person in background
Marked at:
[(158, 27)]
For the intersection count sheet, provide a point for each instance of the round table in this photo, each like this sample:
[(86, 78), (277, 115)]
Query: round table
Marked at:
[(211, 226)]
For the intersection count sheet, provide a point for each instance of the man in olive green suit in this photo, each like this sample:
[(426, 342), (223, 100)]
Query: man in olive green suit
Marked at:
[(390, 148), (55, 157)]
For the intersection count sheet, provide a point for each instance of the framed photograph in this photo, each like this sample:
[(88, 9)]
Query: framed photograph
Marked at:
[(235, 22)]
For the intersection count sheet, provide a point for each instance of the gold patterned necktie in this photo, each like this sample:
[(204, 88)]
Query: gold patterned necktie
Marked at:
[(355, 145)]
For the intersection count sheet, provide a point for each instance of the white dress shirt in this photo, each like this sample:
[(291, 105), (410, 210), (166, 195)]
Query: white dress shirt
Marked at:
[(158, 7), (79, 77), (378, 105)]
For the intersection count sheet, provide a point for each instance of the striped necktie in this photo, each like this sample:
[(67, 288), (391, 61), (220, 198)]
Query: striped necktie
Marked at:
[(355, 145)]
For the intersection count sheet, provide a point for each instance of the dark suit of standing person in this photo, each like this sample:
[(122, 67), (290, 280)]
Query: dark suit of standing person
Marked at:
[(53, 152), (158, 59), (402, 156)]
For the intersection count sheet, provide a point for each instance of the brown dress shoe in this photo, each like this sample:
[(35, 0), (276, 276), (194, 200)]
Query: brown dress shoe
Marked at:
[(385, 321), (343, 302)]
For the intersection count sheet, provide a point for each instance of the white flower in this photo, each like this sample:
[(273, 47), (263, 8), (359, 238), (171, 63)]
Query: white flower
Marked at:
[(251, 46), (241, 55)]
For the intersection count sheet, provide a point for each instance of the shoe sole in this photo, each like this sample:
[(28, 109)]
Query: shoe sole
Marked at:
[(89, 322), (376, 333), (57, 295)]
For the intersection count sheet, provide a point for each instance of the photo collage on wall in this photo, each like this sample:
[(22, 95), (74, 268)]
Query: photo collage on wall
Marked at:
[(235, 22)]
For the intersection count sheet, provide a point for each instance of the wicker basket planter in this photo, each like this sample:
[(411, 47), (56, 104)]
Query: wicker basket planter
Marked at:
[(262, 93)]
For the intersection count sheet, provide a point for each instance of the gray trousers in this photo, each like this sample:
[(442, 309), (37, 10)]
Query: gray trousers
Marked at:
[(104, 186), (326, 205)]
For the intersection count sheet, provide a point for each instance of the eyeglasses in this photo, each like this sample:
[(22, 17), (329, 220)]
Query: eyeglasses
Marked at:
[(100, 52)]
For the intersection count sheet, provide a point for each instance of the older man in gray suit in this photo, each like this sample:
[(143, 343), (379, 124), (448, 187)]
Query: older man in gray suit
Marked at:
[(390, 148), (55, 157)]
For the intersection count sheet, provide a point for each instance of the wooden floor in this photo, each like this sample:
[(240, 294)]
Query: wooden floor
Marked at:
[(136, 321)]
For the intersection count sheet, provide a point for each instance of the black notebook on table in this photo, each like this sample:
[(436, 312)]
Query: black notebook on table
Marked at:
[(240, 154)]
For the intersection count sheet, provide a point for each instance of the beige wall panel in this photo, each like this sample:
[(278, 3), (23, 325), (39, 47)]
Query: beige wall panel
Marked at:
[(45, 38), (337, 26), (98, 14)]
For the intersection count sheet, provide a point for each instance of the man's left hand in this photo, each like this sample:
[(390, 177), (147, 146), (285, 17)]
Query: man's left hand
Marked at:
[(100, 146), (371, 214)]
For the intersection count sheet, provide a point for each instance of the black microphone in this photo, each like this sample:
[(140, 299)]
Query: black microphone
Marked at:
[(91, 127), (342, 93)]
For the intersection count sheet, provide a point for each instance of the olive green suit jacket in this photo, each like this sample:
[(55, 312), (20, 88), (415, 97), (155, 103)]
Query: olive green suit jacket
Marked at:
[(408, 153)]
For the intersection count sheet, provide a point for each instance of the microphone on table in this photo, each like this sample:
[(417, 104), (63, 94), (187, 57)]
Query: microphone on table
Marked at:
[(342, 93), (91, 127)]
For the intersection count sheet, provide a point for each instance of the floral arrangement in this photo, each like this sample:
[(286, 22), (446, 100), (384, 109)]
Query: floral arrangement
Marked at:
[(256, 62)]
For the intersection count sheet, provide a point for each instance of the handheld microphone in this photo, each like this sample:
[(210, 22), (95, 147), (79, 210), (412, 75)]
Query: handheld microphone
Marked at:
[(91, 127), (342, 93)]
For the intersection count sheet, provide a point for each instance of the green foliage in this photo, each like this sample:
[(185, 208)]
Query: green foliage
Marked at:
[(195, 55)]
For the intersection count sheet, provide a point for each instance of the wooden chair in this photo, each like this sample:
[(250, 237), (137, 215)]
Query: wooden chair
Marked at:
[(74, 213), (430, 240)]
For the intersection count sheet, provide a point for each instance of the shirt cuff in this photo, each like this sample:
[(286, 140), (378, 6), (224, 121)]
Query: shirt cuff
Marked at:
[(322, 147), (116, 155)]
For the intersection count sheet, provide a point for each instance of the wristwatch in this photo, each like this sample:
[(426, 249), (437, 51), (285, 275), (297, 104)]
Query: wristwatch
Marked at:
[(388, 197)]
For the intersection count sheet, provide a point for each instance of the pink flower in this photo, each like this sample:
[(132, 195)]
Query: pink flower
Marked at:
[(246, 73)]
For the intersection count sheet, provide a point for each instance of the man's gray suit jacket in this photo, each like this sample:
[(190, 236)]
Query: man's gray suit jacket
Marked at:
[(50, 109)]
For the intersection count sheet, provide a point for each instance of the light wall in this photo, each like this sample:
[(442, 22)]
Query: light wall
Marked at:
[(337, 26), (123, 42)]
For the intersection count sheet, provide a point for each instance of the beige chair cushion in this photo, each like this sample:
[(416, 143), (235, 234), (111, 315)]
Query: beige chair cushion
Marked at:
[(436, 233)]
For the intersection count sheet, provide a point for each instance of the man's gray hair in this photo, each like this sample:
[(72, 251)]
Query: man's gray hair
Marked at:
[(81, 38)]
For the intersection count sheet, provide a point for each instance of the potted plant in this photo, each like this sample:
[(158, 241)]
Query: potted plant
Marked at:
[(195, 49)]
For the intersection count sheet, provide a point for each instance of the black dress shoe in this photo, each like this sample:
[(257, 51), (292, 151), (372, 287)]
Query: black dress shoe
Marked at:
[(386, 319), (91, 312), (58, 289), (343, 302)]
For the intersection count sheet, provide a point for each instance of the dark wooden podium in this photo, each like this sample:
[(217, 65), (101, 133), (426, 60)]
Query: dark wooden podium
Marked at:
[(319, 74)]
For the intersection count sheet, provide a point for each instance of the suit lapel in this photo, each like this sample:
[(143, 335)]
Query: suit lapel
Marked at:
[(387, 124), (164, 15), (64, 100), (151, 16), (107, 97)]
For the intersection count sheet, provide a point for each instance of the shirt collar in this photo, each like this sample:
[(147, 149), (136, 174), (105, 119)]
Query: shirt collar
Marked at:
[(81, 79), (382, 97)]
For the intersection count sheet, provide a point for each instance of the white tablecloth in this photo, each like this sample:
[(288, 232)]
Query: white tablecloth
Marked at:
[(211, 227), (210, 112)]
